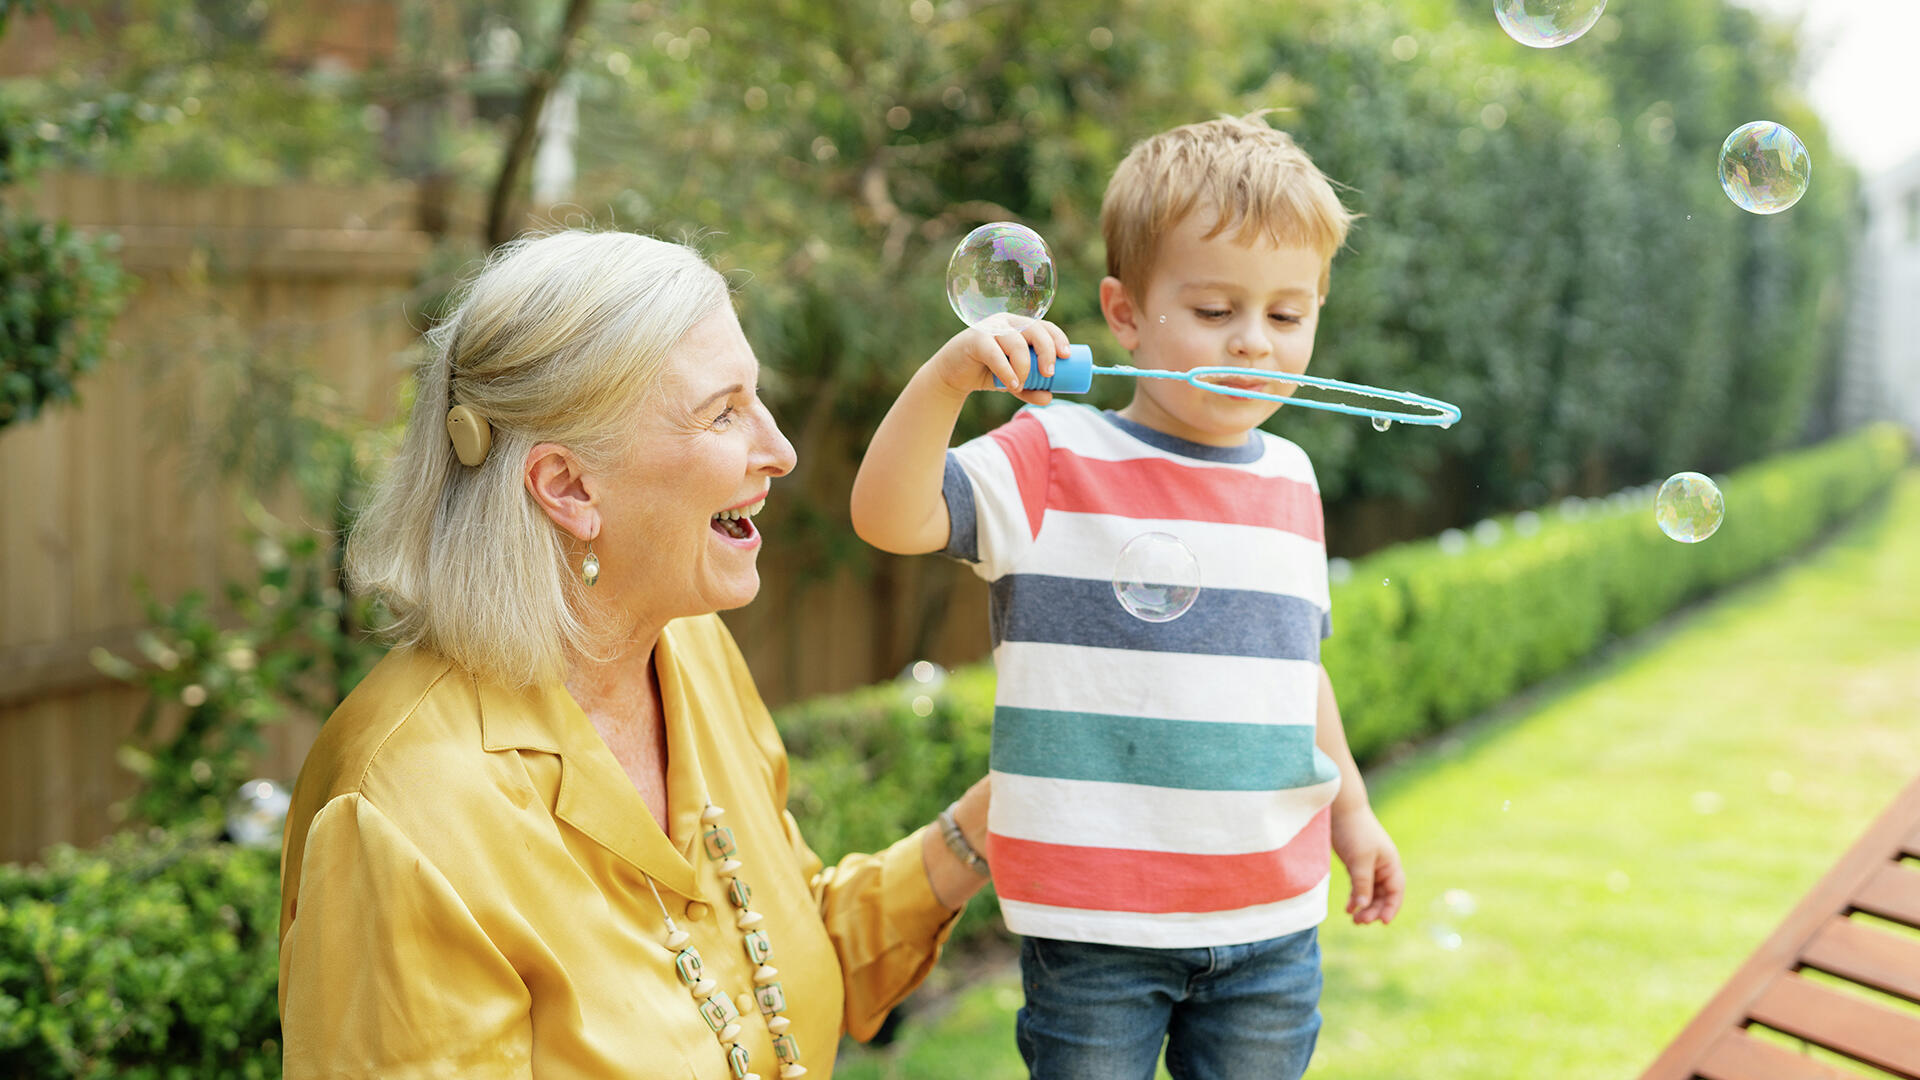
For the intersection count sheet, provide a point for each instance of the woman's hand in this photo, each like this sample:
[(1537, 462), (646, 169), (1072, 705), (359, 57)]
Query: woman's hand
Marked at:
[(953, 881), (1373, 864), (973, 358)]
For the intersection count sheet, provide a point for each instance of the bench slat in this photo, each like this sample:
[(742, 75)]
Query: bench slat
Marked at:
[(1740, 1056), (1893, 892), (1853, 1026), (1887, 962)]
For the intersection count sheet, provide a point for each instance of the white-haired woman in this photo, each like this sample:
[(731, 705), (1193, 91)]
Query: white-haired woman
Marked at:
[(547, 835)]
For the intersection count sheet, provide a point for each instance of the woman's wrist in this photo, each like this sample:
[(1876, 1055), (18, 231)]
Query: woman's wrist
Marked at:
[(958, 842)]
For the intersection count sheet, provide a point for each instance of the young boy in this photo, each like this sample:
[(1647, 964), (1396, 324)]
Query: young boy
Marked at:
[(1165, 794)]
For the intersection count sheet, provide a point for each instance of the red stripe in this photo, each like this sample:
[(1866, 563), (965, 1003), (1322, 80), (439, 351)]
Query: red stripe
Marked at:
[(1119, 879), (1158, 488), (1024, 441)]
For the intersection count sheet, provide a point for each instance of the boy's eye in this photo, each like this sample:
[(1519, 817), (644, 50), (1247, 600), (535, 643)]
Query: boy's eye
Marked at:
[(1285, 318), (1212, 313)]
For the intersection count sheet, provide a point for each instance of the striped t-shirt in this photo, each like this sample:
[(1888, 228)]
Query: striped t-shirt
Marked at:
[(1154, 783)]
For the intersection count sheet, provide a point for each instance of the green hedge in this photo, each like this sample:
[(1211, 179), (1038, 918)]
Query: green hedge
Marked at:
[(153, 956), (1422, 638)]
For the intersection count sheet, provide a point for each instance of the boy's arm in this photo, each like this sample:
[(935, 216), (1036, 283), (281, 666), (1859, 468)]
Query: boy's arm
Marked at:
[(1373, 863), (897, 504)]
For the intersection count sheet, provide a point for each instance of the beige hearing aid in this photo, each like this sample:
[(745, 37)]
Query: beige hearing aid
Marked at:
[(472, 436)]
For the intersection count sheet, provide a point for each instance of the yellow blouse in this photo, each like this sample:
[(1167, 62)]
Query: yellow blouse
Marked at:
[(462, 892)]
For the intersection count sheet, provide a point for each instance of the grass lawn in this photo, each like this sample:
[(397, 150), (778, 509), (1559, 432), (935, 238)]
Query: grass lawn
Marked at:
[(1625, 837)]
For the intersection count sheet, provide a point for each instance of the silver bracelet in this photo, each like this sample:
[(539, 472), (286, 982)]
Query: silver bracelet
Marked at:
[(957, 843)]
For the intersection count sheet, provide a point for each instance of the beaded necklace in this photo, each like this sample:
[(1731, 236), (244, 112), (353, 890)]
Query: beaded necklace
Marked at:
[(716, 1008)]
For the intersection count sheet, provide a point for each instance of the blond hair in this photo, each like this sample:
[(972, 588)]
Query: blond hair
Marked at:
[(1253, 177), (560, 338)]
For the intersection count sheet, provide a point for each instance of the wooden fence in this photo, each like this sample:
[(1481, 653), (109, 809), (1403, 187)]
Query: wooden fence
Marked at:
[(94, 496)]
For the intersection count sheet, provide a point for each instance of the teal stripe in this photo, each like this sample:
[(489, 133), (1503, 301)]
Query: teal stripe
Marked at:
[(1194, 755)]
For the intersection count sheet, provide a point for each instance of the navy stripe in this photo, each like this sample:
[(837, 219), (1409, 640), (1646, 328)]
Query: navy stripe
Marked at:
[(963, 530), (1052, 610), (1186, 754)]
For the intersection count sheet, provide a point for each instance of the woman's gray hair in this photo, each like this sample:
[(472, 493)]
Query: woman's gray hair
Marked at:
[(561, 338)]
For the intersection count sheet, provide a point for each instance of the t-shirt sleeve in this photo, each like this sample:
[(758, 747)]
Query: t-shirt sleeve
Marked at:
[(996, 494)]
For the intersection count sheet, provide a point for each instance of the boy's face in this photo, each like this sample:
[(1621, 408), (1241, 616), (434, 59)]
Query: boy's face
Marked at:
[(1215, 302)]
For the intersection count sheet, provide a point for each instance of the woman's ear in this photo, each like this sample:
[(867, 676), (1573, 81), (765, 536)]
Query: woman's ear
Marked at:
[(1123, 315), (560, 487)]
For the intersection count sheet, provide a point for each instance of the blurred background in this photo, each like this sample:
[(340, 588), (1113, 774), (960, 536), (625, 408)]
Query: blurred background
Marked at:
[(224, 224)]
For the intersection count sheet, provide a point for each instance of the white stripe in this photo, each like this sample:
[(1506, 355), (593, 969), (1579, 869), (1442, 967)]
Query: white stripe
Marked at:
[(1170, 930), (1172, 686), (1001, 529), (1084, 431), (1082, 545), (1095, 813)]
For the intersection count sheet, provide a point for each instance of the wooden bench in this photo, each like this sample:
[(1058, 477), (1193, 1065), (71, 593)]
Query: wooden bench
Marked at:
[(1879, 876)]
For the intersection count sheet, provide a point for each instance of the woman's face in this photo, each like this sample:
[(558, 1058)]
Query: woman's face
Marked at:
[(706, 445)]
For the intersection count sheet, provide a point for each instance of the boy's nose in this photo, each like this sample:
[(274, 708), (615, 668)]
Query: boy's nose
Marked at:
[(1249, 344)]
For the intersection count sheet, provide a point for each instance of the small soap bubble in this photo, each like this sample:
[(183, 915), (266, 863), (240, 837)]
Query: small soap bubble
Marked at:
[(1459, 903), (1452, 541), (1689, 507), (1526, 523), (1506, 805), (1339, 570), (257, 814), (1487, 531), (1547, 24), (1156, 577), (1446, 936), (1381, 423), (1000, 277), (1764, 167), (920, 682)]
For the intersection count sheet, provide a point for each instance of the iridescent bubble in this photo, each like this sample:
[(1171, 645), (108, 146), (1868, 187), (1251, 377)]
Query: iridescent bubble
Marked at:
[(1547, 24), (257, 814), (1445, 936), (1764, 167), (1381, 423), (1156, 577), (1000, 277), (1689, 507), (920, 682)]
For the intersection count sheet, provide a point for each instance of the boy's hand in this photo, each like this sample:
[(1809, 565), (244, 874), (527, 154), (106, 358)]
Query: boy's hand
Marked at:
[(973, 358), (1373, 864)]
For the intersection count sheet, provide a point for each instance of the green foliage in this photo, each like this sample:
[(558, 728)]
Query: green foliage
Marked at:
[(292, 641), (1475, 626), (154, 956), (1422, 639), (58, 293)]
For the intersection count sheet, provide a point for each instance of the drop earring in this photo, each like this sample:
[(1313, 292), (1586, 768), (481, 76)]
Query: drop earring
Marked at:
[(590, 566)]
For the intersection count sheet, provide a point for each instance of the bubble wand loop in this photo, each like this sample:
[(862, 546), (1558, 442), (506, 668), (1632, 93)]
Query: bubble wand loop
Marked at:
[(1073, 374)]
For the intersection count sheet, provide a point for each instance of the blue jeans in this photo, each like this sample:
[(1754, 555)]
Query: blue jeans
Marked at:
[(1231, 1012)]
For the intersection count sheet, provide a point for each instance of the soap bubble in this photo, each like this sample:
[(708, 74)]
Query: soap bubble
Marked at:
[(1452, 541), (1689, 507), (1156, 578), (1000, 277), (1547, 24), (920, 682), (257, 814), (1458, 903), (1445, 936), (1381, 423), (1764, 167)]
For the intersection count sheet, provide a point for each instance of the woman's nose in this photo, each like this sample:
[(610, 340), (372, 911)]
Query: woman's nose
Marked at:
[(776, 454)]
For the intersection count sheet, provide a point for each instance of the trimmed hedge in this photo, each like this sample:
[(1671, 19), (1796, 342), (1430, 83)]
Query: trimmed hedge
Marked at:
[(1423, 639)]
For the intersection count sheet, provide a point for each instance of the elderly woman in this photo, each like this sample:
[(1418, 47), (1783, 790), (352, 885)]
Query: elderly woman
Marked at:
[(547, 835)]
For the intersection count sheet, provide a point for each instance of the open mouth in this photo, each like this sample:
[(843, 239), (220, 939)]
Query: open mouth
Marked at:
[(737, 524)]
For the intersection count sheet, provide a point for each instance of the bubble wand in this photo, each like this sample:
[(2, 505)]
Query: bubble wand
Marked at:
[(1001, 278)]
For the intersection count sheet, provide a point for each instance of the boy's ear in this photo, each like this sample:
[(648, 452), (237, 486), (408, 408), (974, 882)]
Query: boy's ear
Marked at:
[(1123, 315)]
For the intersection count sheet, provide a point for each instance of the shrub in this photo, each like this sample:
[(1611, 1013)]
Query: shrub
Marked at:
[(155, 955)]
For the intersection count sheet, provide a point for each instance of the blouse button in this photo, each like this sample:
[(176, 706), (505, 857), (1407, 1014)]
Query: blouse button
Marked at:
[(697, 911)]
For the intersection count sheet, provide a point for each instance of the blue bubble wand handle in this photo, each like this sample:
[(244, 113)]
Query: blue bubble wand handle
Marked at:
[(1073, 374)]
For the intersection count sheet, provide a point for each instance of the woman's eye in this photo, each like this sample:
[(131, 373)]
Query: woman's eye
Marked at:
[(725, 418)]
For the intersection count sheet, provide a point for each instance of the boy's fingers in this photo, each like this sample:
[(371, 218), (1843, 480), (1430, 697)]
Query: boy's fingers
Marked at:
[(1362, 888), (1015, 348)]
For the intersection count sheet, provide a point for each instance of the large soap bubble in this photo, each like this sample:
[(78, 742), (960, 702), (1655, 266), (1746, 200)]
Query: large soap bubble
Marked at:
[(1547, 24), (1764, 167), (1689, 507), (257, 814), (1156, 577), (1000, 277)]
